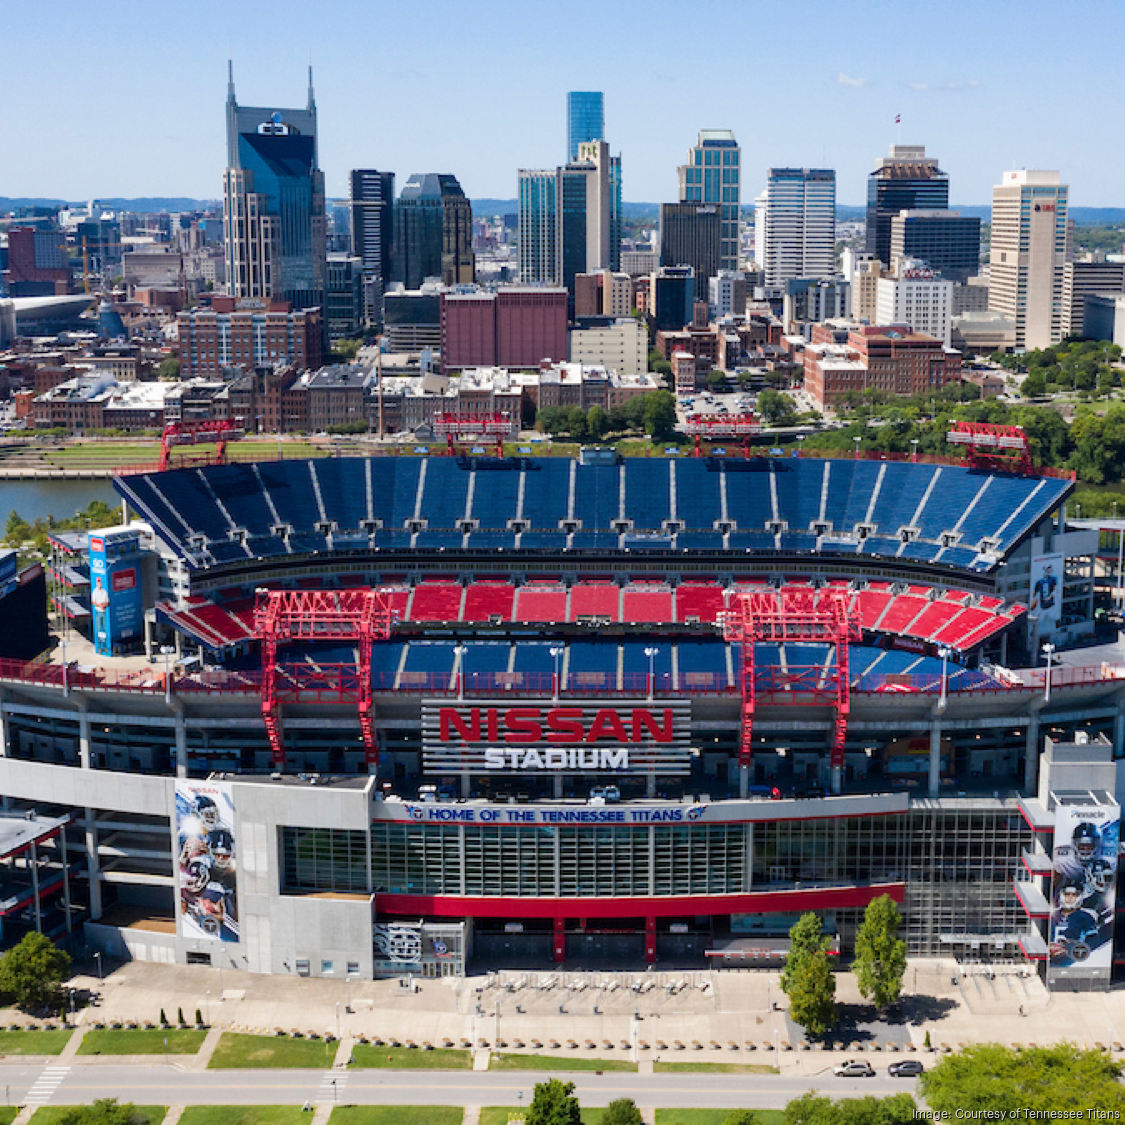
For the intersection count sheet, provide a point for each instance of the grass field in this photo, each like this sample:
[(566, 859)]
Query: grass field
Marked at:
[(407, 1058), (557, 1063), (49, 1114), (238, 1050), (499, 1114), (142, 1042), (713, 1116), (244, 1115), (713, 1068), (109, 454), (397, 1115), (33, 1042), (8, 1114)]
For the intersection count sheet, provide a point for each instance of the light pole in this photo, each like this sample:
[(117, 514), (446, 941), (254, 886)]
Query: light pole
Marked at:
[(98, 961), (913, 449), (65, 671), (460, 650), (776, 1050), (650, 652), (945, 653), (207, 1006), (496, 1044), (337, 1020), (166, 652), (857, 439), (1049, 650), (556, 652)]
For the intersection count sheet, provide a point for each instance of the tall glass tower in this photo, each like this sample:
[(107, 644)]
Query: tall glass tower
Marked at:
[(273, 204), (907, 180), (585, 119), (711, 175)]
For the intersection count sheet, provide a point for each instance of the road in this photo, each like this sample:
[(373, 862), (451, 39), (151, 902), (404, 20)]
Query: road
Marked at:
[(80, 1084)]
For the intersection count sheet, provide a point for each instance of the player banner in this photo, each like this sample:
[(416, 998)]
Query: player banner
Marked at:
[(1084, 886), (1046, 591), (207, 867)]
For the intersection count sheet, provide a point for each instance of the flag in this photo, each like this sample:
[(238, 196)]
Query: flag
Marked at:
[(898, 118)]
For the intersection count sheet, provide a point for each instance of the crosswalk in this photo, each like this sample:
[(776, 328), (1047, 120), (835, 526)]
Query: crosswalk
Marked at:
[(46, 1085), (332, 1088)]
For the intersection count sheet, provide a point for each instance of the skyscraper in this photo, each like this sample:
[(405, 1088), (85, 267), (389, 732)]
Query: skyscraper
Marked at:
[(1028, 251), (371, 211), (690, 235), (799, 225), (570, 218), (433, 232), (711, 175), (947, 241), (907, 180), (585, 119), (273, 204)]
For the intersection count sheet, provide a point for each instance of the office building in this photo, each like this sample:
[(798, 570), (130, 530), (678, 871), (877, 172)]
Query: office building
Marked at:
[(570, 218), (585, 119), (726, 294), (621, 346), (1104, 317), (273, 204), (811, 300), (798, 225), (907, 180), (343, 298), (1028, 251), (603, 294), (712, 175), (671, 297), (691, 235), (37, 262), (371, 211), (433, 225), (512, 327), (917, 296), (1084, 279), (947, 241)]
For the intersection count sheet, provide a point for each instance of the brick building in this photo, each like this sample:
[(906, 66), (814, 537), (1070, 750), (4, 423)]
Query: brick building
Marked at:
[(889, 358), (37, 262), (514, 327), (247, 334)]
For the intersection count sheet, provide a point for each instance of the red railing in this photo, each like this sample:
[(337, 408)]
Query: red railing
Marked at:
[(919, 458)]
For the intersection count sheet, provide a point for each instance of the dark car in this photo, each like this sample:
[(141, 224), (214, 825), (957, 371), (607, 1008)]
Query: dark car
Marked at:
[(908, 1068)]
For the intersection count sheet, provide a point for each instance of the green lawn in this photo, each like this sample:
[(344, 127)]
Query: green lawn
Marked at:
[(713, 1116), (558, 1063), (713, 1068), (49, 1114), (397, 1115), (411, 1058), (8, 1114), (499, 1114), (245, 1115), (34, 1042), (239, 1050), (142, 1041)]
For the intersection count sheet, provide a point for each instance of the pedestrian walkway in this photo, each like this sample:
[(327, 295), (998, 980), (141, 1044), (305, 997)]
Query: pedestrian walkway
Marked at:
[(72, 1044), (173, 1115), (46, 1085), (200, 1060), (331, 1090)]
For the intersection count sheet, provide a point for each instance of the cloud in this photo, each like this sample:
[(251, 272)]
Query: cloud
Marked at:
[(843, 79), (943, 87)]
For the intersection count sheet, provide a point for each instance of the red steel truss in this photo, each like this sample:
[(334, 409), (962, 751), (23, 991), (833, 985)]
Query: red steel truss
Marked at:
[(453, 426), (218, 431), (723, 427), (793, 613), (987, 446), (195, 433), (282, 616)]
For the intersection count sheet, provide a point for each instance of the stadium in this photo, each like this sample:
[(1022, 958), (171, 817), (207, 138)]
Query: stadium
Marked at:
[(428, 711)]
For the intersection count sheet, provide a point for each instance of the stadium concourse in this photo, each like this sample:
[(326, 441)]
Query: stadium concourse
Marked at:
[(525, 712)]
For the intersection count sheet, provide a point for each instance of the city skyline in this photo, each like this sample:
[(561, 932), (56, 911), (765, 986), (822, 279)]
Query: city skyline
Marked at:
[(983, 111)]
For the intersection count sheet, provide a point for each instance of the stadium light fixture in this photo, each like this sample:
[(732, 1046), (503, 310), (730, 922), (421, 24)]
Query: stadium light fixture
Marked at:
[(556, 652), (1049, 651), (945, 652), (650, 652)]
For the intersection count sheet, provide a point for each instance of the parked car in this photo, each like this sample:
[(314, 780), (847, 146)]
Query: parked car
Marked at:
[(908, 1068), (854, 1068)]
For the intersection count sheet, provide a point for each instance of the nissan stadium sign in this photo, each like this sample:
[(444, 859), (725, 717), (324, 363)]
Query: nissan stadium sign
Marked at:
[(535, 736)]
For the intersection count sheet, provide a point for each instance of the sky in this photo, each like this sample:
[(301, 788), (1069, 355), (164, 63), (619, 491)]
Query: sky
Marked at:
[(128, 101)]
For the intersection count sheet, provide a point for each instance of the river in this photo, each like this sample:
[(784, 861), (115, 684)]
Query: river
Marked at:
[(59, 498)]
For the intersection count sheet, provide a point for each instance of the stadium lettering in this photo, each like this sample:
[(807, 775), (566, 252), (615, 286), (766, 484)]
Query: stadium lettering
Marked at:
[(554, 724), (497, 759)]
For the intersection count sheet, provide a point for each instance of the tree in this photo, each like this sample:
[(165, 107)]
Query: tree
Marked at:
[(169, 370), (660, 414), (880, 954), (813, 1109), (806, 937), (812, 994), (987, 1076), (597, 422), (741, 1117), (623, 1111), (1034, 385), (32, 972), (554, 1103), (776, 408), (105, 1111)]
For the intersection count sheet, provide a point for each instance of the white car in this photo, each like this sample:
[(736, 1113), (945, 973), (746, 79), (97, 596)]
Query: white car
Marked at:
[(854, 1068)]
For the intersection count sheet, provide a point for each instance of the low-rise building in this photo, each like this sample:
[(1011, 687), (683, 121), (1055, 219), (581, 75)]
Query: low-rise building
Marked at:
[(621, 345)]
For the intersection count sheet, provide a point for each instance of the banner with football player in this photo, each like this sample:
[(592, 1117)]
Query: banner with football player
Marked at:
[(1084, 886), (206, 860)]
